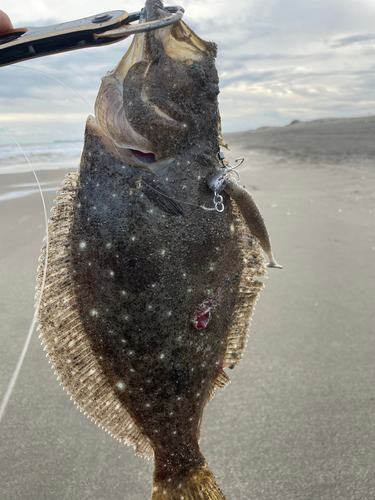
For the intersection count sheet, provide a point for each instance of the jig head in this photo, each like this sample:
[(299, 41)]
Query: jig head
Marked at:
[(222, 180)]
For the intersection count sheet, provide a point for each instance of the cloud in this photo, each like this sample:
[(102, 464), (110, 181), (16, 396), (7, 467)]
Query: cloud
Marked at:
[(350, 40), (278, 60)]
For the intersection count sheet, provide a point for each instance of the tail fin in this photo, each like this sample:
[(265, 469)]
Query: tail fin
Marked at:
[(199, 484)]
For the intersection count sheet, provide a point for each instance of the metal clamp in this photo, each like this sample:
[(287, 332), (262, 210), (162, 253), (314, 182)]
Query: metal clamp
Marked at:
[(125, 31), (21, 44)]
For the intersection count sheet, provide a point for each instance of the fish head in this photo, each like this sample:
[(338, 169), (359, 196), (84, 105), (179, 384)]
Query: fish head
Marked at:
[(161, 99)]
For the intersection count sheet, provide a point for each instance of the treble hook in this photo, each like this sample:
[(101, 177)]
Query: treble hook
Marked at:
[(231, 168)]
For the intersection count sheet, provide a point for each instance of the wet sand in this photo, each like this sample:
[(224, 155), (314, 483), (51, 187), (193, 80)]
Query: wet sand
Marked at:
[(297, 422)]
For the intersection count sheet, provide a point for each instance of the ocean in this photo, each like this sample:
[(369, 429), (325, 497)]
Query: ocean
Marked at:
[(47, 156)]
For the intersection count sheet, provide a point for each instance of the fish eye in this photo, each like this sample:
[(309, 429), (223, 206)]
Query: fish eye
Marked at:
[(217, 91), (192, 66)]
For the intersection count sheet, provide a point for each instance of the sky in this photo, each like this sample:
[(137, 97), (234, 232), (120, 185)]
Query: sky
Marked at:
[(278, 61)]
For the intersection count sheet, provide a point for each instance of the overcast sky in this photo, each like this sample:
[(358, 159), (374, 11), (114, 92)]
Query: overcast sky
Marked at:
[(278, 60)]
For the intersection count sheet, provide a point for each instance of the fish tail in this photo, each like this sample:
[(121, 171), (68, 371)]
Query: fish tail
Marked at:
[(198, 484)]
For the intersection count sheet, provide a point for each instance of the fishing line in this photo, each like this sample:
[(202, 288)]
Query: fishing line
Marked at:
[(179, 201), (13, 380), (218, 200), (57, 80)]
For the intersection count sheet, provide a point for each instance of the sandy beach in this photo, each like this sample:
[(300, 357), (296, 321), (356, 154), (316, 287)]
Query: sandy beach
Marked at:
[(297, 422)]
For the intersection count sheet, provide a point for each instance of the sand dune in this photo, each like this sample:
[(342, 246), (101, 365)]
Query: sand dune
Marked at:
[(333, 139)]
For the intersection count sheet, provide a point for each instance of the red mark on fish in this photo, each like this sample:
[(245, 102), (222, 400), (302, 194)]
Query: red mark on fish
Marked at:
[(202, 314)]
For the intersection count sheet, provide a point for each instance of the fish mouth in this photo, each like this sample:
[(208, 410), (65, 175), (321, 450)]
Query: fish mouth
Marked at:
[(144, 157), (142, 103)]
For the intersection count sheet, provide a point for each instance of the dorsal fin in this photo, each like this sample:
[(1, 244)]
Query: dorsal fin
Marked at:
[(64, 336), (249, 289)]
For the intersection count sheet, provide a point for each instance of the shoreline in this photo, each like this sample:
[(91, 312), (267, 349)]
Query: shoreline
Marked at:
[(296, 421)]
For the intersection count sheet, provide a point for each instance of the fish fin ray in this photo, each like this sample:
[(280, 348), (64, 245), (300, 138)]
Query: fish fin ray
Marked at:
[(199, 484), (63, 334), (164, 201), (222, 380), (249, 289)]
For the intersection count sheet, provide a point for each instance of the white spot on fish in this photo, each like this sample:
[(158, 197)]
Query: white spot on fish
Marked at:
[(189, 290), (163, 252), (169, 313), (111, 273), (108, 245), (231, 228), (133, 238), (130, 353), (149, 307), (161, 356), (123, 292), (121, 386), (94, 312), (114, 195), (82, 244)]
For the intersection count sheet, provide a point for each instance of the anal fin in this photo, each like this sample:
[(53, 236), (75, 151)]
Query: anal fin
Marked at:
[(222, 380)]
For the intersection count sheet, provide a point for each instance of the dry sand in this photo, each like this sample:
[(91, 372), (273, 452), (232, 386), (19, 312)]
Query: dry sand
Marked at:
[(297, 423)]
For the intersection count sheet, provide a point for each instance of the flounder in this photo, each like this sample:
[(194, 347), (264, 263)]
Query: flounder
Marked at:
[(148, 296)]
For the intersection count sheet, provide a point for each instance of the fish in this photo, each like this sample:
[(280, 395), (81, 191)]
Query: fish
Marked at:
[(146, 290)]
